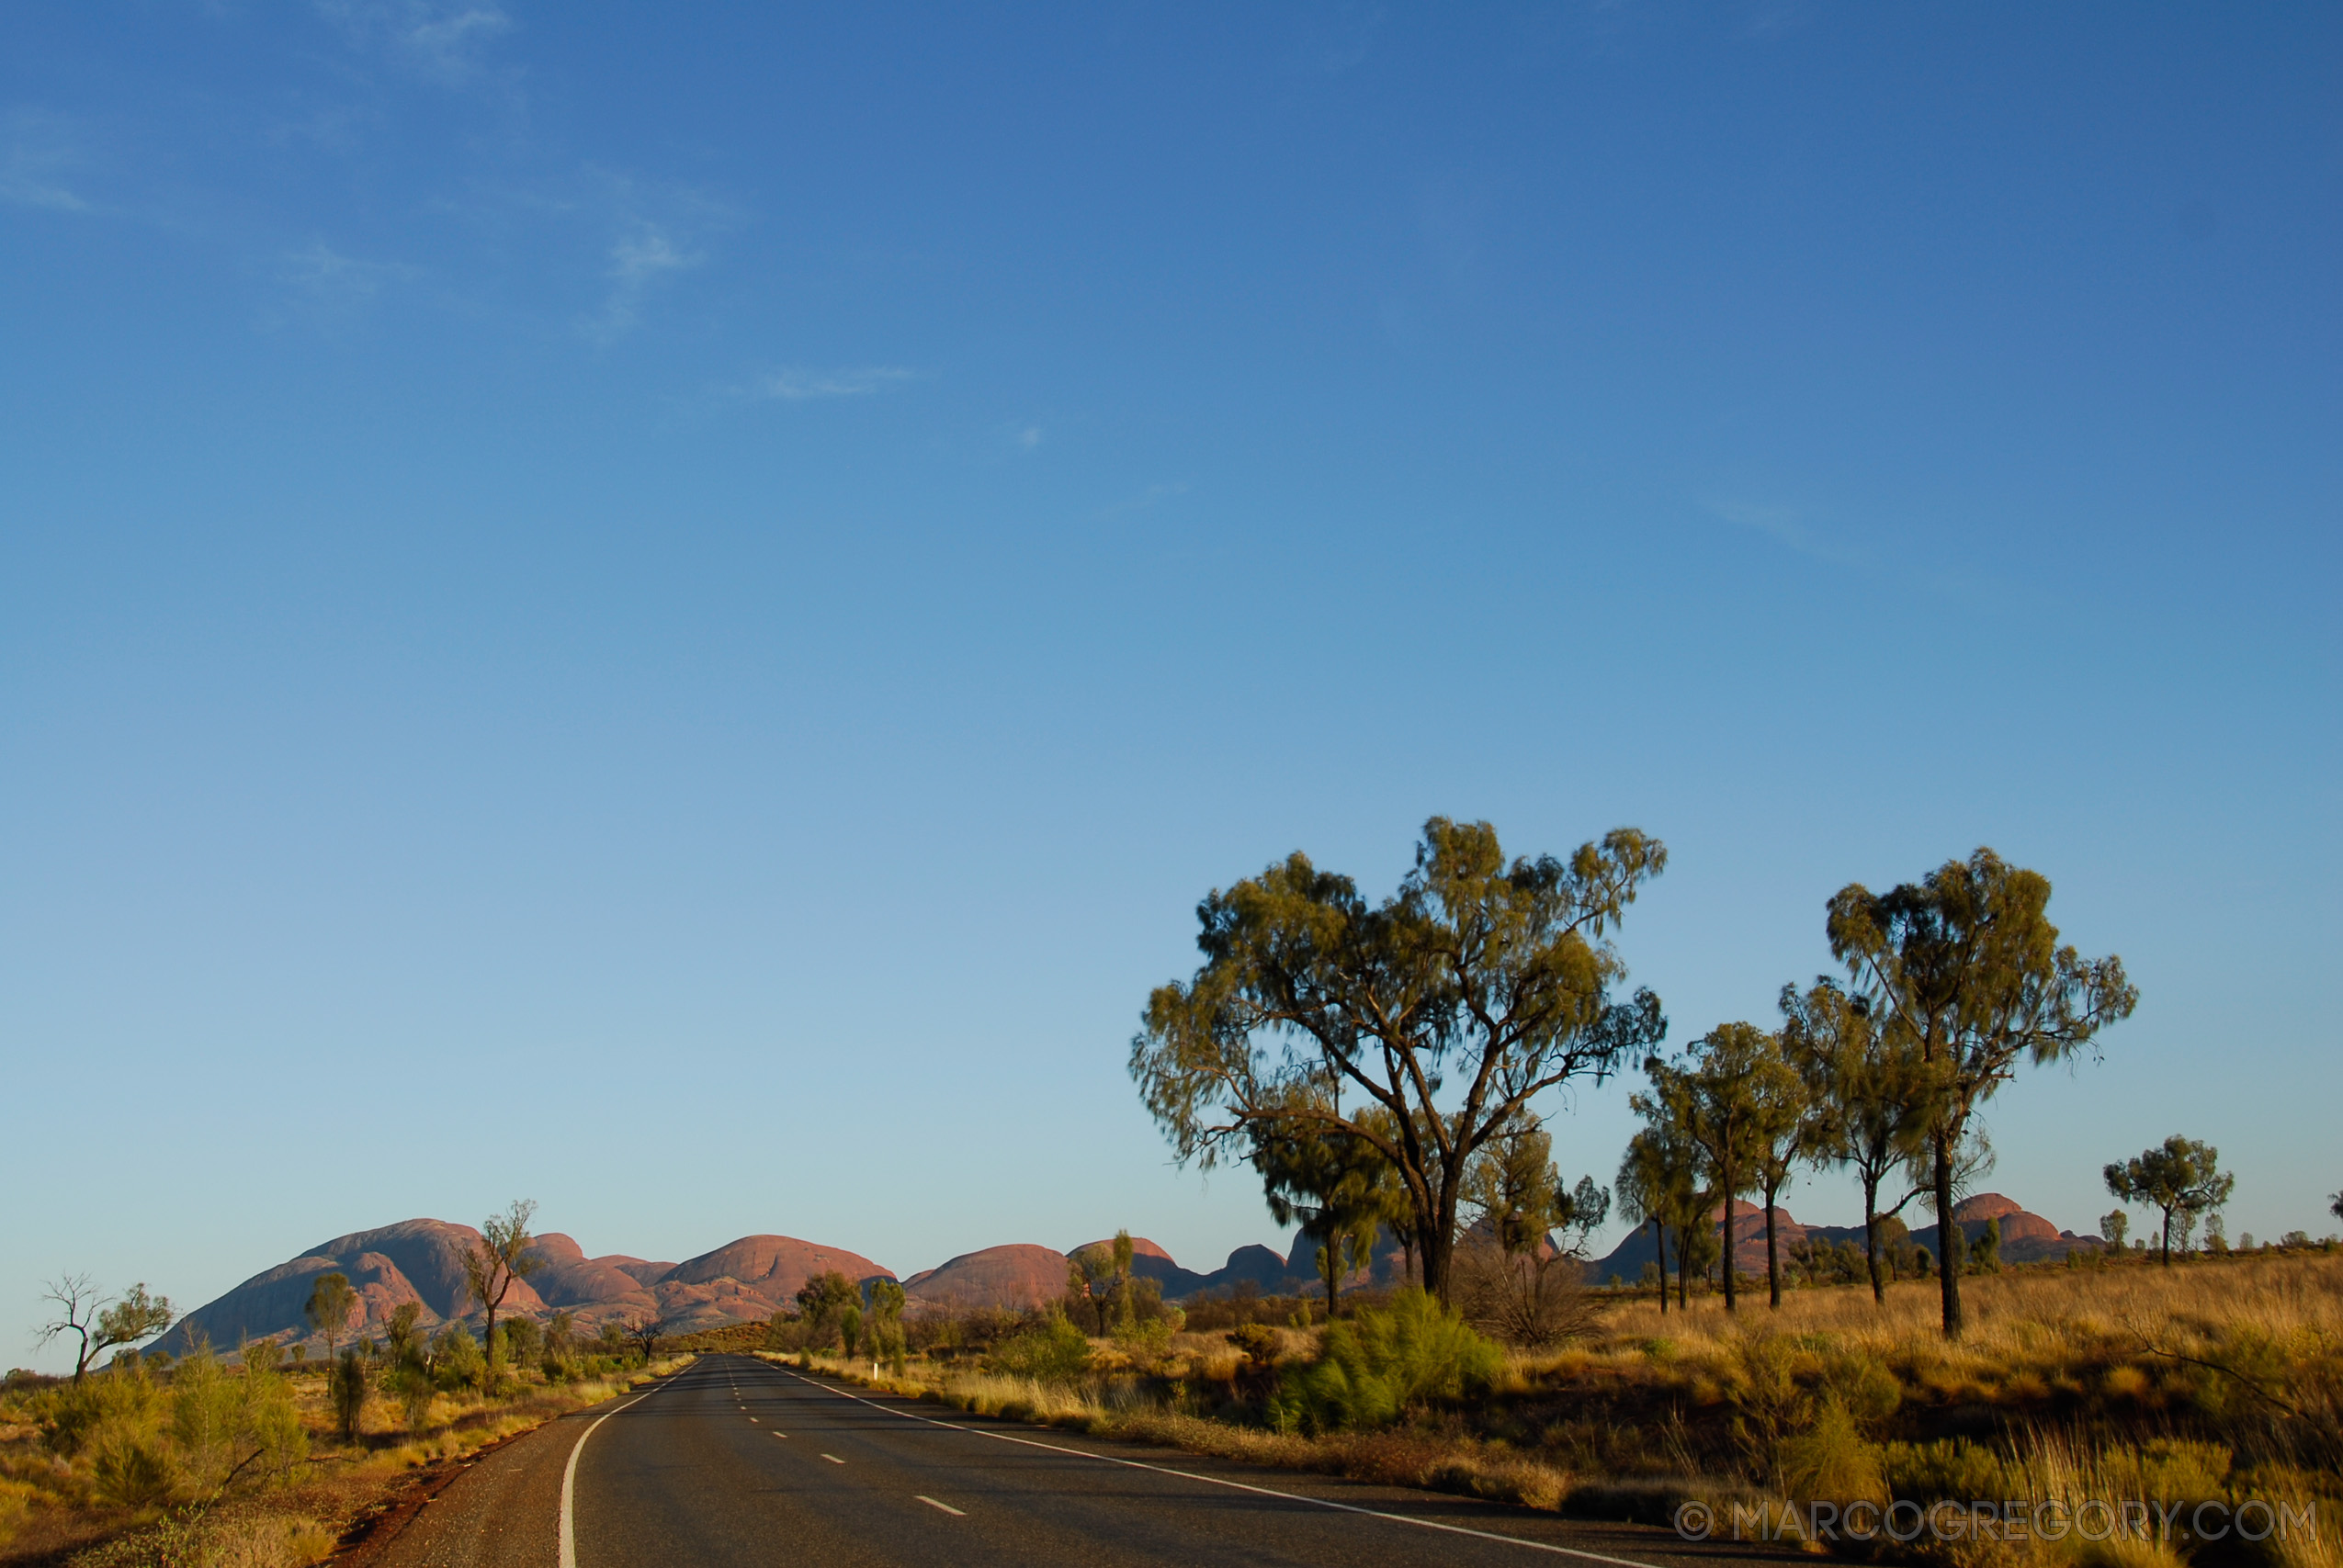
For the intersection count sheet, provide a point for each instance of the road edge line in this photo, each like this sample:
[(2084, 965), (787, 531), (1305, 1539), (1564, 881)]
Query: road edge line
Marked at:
[(1218, 1481), (569, 1548)]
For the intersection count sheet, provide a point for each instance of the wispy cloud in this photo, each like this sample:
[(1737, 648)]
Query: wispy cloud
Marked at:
[(1147, 499), (39, 153), (800, 386), (1781, 522), (330, 280), (444, 39), (1790, 526), (640, 258), (1339, 38)]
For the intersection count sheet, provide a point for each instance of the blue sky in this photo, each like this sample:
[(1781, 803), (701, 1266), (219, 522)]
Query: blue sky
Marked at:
[(669, 613)]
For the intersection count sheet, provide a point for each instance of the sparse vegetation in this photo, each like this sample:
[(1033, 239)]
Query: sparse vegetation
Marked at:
[(244, 1462), (2220, 1379)]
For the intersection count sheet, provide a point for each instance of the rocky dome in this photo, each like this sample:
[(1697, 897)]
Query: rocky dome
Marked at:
[(1018, 1275), (775, 1265)]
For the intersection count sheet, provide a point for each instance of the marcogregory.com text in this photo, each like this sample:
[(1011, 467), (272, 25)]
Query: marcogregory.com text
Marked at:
[(2008, 1519)]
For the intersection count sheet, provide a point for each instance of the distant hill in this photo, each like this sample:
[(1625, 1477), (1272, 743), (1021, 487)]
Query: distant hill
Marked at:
[(2026, 1238), (751, 1278), (423, 1261), (1019, 1275), (415, 1260)]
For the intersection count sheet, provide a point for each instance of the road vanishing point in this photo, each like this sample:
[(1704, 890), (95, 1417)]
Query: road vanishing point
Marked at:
[(735, 1461)]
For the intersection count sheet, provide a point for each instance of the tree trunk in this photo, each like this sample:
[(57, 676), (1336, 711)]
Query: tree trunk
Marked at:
[(1772, 1261), (1333, 1261), (2168, 1238), (1949, 1240), (1660, 1231), (1732, 1299), (1683, 1270), (1871, 1242), (1438, 1250)]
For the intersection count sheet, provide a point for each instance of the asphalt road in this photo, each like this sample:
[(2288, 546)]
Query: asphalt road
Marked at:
[(735, 1460)]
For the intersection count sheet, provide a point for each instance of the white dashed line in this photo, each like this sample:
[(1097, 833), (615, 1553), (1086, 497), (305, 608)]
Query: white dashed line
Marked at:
[(1236, 1485), (955, 1513), (833, 1458)]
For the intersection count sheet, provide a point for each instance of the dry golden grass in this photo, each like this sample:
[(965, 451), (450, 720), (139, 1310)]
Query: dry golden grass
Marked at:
[(2217, 1378), (2014, 1315), (55, 1512)]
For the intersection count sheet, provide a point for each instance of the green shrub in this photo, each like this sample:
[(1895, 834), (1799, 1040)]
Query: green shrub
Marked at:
[(523, 1341), (410, 1383), (272, 1424), (347, 1390), (1147, 1338), (132, 1468), (457, 1361), (207, 1416), (70, 1415), (16, 1498), (1950, 1468), (1053, 1352), (1830, 1460), (1380, 1364)]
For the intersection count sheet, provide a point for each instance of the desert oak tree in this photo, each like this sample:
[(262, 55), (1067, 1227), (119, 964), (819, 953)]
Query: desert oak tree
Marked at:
[(1968, 964), (1451, 1007)]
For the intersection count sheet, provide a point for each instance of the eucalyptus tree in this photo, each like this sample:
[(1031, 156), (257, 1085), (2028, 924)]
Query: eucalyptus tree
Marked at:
[(96, 1321), (1969, 964), (1737, 1101), (330, 1300), (1519, 1273), (1793, 1126), (1658, 1185), (505, 1252), (1450, 1007), (2180, 1176), (1339, 1190), (1870, 1089)]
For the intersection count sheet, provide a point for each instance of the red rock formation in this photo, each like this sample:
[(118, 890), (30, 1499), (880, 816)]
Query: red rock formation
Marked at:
[(1015, 1276), (2017, 1224), (1140, 1247), (773, 1266), (567, 1278)]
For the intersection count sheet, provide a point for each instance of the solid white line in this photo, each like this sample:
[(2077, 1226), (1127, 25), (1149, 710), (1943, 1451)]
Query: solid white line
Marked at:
[(955, 1513), (570, 1479), (1239, 1485)]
